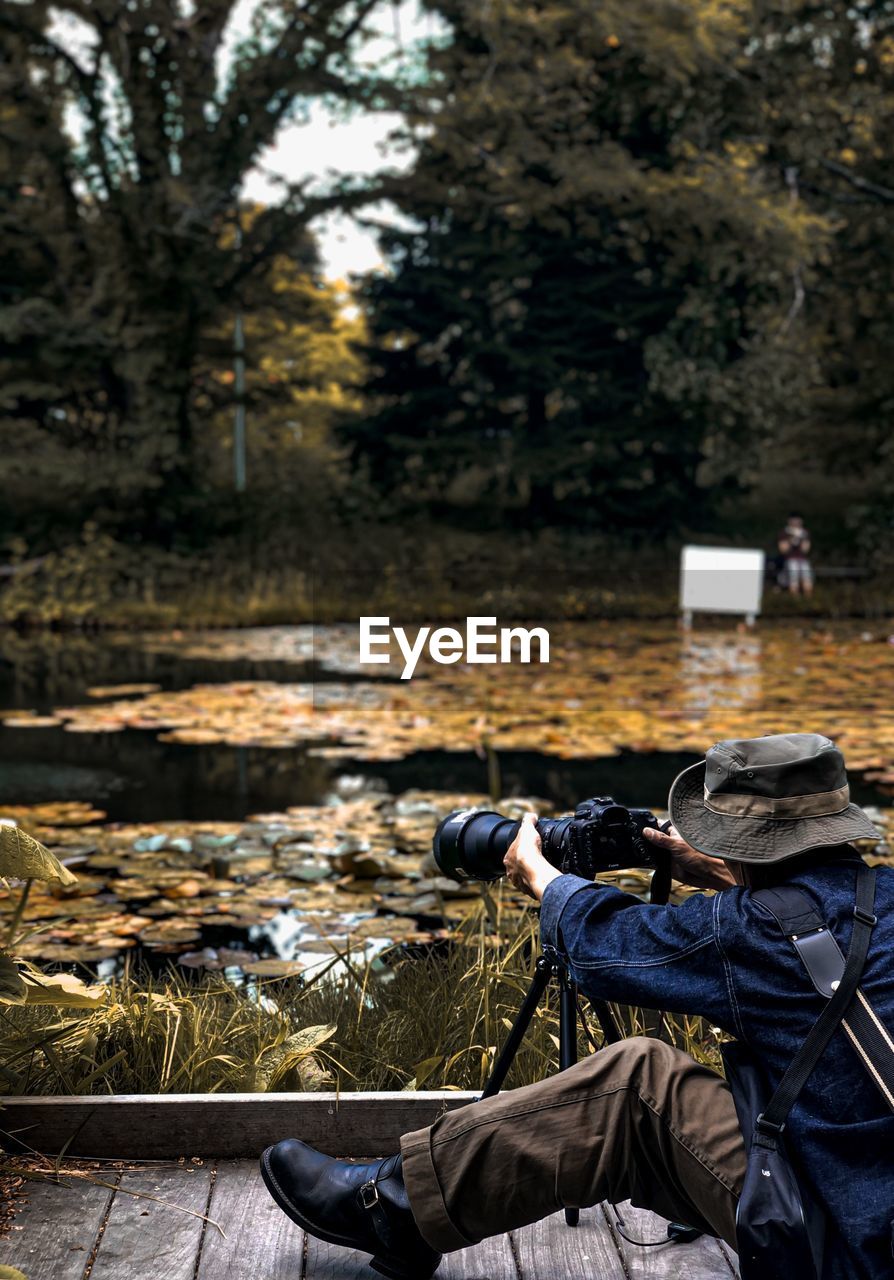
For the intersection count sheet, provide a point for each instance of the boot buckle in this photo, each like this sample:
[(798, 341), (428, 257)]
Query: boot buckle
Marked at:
[(369, 1195)]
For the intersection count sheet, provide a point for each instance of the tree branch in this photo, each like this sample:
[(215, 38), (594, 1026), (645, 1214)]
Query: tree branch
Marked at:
[(862, 184)]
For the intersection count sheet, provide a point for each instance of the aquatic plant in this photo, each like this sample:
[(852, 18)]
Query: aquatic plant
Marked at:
[(25, 859)]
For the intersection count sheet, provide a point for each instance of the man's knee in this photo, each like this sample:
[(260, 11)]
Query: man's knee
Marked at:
[(647, 1075), (637, 1060)]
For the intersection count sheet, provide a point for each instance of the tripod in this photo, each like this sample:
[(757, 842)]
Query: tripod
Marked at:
[(549, 965)]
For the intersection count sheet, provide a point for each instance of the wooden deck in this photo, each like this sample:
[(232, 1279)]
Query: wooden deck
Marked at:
[(233, 1231)]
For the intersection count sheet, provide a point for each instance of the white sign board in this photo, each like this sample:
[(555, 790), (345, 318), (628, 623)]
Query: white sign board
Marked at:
[(721, 580)]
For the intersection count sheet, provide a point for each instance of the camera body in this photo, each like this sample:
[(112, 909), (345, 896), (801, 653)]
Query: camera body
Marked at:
[(599, 836)]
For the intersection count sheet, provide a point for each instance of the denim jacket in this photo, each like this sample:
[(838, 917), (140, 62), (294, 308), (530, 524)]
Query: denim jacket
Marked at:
[(723, 957)]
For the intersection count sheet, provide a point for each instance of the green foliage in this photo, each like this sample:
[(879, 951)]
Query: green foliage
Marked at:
[(120, 233), (827, 127), (303, 372), (588, 321), (92, 579), (646, 262)]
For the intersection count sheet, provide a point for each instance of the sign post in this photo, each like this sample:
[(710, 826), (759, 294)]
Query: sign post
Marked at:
[(721, 580)]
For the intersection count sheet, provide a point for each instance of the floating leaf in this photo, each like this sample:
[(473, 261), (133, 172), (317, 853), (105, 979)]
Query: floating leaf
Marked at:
[(24, 858), (30, 720), (272, 968), (121, 690), (185, 889)]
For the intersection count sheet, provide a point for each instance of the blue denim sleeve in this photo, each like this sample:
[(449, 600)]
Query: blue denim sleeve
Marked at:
[(618, 948)]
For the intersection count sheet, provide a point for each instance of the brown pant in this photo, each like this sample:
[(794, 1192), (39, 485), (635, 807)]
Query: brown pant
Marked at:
[(637, 1121)]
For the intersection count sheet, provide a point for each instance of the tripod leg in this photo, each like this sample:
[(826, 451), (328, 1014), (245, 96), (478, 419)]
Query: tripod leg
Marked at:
[(568, 1024), (606, 1020), (542, 974), (568, 1047)]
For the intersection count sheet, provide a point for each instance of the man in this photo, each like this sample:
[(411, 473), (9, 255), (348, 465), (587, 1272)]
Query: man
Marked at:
[(642, 1120), (794, 548)]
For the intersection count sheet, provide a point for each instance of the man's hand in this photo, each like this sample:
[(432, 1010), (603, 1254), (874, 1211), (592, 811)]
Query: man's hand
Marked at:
[(688, 866), (525, 865)]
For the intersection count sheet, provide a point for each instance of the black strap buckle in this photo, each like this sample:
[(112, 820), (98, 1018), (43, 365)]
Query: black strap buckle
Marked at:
[(768, 1126), (369, 1195), (865, 917)]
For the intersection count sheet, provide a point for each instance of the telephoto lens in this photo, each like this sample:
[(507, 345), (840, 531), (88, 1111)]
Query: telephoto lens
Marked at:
[(471, 844), (600, 835)]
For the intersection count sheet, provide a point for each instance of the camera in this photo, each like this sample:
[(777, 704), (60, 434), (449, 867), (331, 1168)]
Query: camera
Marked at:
[(599, 836)]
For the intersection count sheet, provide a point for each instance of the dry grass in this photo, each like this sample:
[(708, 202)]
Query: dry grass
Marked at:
[(424, 1020)]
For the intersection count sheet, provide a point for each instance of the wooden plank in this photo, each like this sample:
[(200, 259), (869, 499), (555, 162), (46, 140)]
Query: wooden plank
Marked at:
[(260, 1242), (144, 1240), (227, 1126), (330, 1262), (493, 1259), (53, 1236), (551, 1250), (703, 1259)]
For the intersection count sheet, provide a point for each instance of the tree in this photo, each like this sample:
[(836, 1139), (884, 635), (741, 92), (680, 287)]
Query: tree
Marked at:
[(125, 232), (588, 320), (303, 371), (827, 129)]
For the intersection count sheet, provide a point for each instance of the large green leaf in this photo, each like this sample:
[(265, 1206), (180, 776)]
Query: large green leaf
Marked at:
[(12, 985), (423, 1071), (63, 990), (288, 1056), (10, 1273), (24, 858)]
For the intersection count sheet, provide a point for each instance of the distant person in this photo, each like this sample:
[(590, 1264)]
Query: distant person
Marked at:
[(794, 548)]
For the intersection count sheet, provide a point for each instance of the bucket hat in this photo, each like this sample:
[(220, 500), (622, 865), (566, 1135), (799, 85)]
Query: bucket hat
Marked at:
[(767, 799)]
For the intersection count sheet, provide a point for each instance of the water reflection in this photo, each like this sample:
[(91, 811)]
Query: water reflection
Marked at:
[(720, 670), (609, 688)]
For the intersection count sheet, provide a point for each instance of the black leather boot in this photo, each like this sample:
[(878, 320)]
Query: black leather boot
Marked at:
[(360, 1206)]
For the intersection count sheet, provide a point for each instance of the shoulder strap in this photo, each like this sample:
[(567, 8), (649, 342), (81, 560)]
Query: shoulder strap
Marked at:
[(814, 942), (770, 1124), (821, 956)]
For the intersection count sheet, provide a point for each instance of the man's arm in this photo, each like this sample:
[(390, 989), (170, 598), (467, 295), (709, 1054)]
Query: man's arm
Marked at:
[(618, 948), (529, 871)]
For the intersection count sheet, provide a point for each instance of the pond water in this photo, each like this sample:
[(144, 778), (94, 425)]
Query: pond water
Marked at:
[(172, 770), (135, 777)]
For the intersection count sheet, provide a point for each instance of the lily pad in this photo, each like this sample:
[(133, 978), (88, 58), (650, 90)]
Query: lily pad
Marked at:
[(272, 968), (121, 690)]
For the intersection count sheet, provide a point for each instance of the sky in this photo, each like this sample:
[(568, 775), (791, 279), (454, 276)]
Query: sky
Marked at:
[(322, 145)]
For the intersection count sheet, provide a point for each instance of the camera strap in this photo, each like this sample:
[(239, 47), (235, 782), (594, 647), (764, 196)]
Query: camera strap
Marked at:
[(837, 980), (780, 1227)]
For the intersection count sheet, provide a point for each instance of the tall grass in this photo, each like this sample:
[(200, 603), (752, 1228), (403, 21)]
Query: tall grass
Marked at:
[(426, 1020)]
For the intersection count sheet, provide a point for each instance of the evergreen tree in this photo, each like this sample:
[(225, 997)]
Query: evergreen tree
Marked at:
[(588, 320), (827, 125)]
